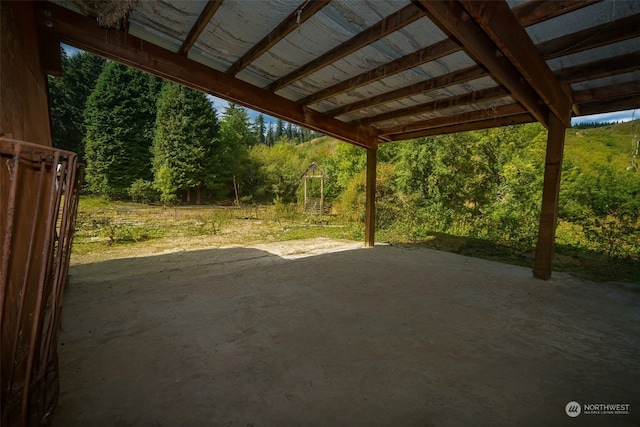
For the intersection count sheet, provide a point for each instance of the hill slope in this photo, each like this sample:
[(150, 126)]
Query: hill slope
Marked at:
[(613, 144)]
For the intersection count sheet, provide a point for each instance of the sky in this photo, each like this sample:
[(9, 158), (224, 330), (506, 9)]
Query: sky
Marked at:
[(618, 116)]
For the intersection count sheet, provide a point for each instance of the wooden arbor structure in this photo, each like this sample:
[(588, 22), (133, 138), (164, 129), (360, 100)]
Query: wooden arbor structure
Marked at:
[(363, 72), (314, 204)]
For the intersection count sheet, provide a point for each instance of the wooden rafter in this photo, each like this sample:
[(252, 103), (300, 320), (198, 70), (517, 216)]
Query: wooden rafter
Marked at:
[(422, 56), (450, 16), (460, 76), (205, 16), (528, 13), (386, 26), (610, 105), (601, 35), (598, 69), (607, 92), (468, 117), (440, 104), (503, 28), (535, 11), (464, 127), (83, 33), (291, 22)]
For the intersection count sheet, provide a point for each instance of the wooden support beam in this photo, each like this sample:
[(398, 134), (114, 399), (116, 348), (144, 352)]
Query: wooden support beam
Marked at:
[(451, 16), (468, 117), (607, 92), (83, 33), (440, 104), (460, 76), (386, 26), (598, 69), (414, 59), (535, 11), (590, 38), (464, 127), (50, 58), (550, 193), (207, 13), (500, 24), (370, 210), (290, 23), (608, 106)]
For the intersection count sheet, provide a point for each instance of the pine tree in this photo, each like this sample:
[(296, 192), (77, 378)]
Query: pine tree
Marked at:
[(270, 139), (120, 118), (185, 142), (236, 139), (279, 130), (259, 129), (68, 96)]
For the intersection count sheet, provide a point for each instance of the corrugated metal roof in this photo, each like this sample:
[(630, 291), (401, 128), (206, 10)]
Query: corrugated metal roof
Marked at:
[(392, 63)]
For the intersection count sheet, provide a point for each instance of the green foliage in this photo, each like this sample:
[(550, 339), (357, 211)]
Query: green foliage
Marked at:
[(237, 137), (279, 169), (68, 96), (142, 191), (185, 144), (388, 202), (347, 161), (606, 203), (120, 117)]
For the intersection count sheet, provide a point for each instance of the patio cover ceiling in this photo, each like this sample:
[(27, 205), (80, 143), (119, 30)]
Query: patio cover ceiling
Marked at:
[(370, 71)]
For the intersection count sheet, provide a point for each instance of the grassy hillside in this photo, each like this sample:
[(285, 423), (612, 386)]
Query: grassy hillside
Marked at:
[(612, 145)]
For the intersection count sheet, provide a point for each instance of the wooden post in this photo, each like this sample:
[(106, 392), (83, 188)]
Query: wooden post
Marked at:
[(370, 213), (321, 194), (550, 192)]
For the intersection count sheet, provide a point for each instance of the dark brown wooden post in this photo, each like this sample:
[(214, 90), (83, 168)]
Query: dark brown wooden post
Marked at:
[(550, 192), (370, 214)]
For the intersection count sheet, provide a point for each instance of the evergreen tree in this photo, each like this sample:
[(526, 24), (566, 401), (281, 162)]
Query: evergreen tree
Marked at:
[(279, 130), (271, 138), (236, 138), (120, 117), (68, 96), (185, 142), (259, 129)]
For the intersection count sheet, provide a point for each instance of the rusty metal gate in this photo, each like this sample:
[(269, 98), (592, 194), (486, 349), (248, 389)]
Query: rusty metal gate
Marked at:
[(38, 202)]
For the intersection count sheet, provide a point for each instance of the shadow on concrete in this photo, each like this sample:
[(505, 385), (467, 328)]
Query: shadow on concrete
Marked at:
[(383, 336)]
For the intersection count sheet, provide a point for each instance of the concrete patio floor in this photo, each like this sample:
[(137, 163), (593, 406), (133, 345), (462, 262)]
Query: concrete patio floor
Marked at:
[(384, 336)]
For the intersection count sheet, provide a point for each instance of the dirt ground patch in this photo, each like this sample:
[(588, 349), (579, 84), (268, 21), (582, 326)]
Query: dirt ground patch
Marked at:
[(326, 333)]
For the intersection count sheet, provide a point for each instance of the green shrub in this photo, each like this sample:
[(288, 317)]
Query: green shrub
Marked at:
[(143, 191)]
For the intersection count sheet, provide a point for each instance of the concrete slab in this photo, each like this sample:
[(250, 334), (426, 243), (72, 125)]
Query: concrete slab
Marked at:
[(383, 336)]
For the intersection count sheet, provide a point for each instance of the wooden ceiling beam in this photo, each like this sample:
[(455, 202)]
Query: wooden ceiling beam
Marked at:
[(440, 104), (414, 59), (84, 33), (468, 117), (535, 11), (207, 13), (500, 24), (465, 127), (291, 22), (386, 26), (450, 16), (528, 13), (607, 92), (436, 83), (610, 105), (601, 35), (598, 69)]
